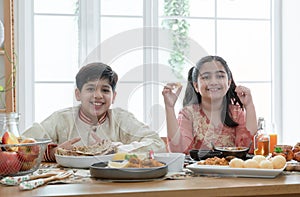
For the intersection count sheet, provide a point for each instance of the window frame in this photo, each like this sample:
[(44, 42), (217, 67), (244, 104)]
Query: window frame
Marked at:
[(25, 51)]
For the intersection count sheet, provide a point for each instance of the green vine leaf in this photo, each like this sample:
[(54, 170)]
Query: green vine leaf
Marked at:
[(180, 29)]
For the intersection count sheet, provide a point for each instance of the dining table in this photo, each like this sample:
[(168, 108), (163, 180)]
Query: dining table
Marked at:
[(285, 184)]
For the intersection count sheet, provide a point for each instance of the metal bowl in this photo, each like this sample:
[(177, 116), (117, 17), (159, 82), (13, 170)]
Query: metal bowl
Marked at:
[(100, 170), (233, 151), (240, 152), (16, 163), (204, 154)]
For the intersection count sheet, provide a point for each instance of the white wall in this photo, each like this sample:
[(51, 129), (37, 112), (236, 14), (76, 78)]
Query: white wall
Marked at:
[(291, 70)]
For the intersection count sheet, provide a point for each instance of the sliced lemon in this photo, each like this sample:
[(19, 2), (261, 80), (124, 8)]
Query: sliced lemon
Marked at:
[(115, 164), (119, 156), (125, 156)]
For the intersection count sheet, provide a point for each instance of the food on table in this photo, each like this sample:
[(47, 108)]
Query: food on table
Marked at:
[(102, 148), (214, 161), (293, 167), (296, 152), (115, 164), (10, 138), (296, 147), (278, 161), (283, 150), (146, 163), (266, 164), (251, 163), (9, 163), (28, 153), (27, 165), (230, 157), (236, 163), (297, 156), (258, 161), (126, 156), (235, 148), (259, 158), (17, 158), (135, 162)]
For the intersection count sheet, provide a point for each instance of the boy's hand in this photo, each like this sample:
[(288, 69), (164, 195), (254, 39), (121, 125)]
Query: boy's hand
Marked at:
[(97, 139), (68, 145)]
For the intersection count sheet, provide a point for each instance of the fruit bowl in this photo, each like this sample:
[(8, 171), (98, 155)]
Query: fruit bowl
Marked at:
[(22, 158)]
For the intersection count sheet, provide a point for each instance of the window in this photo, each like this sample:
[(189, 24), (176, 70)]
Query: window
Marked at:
[(69, 33)]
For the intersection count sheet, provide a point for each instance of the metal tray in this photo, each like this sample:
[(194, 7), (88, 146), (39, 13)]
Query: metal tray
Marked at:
[(100, 170)]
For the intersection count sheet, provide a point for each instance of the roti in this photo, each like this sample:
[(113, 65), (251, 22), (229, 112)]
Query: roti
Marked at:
[(102, 148)]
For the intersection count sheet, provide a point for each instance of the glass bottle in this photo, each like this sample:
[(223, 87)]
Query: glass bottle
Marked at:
[(273, 136), (9, 122), (261, 139)]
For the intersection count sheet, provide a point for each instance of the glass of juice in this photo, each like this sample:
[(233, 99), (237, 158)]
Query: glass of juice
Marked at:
[(273, 141), (273, 136)]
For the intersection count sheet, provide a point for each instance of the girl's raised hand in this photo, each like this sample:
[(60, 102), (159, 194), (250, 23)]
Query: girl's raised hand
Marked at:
[(170, 93), (244, 95)]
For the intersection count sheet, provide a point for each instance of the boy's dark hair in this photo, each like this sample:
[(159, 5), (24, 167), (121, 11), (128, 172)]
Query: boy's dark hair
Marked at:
[(96, 71), (193, 97)]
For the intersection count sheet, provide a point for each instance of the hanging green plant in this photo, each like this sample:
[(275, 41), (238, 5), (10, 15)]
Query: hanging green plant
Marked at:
[(175, 9), (8, 86)]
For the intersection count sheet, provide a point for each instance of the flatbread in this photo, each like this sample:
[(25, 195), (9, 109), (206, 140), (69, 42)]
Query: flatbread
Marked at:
[(102, 148)]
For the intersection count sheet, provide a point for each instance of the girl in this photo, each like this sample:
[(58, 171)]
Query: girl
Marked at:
[(215, 110)]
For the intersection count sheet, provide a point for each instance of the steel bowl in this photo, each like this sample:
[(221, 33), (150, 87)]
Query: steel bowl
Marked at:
[(204, 154), (240, 152)]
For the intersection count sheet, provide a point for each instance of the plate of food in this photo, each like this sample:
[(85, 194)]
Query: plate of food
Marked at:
[(256, 167), (81, 161), (234, 172), (85, 156), (130, 170)]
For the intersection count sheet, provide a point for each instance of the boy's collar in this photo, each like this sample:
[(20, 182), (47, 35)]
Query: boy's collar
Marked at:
[(89, 121)]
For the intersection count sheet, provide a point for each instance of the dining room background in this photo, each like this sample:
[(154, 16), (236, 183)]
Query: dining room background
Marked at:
[(140, 39)]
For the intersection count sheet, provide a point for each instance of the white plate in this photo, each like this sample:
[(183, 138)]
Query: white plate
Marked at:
[(81, 161), (234, 172)]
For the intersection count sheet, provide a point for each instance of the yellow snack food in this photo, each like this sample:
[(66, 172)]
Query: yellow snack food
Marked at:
[(266, 164), (251, 163), (236, 163), (278, 161), (259, 158)]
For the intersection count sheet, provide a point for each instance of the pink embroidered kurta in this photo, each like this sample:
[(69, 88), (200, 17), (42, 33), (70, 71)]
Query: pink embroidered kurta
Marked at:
[(197, 133)]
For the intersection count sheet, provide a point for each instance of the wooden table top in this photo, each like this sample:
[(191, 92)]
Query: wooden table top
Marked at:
[(283, 185)]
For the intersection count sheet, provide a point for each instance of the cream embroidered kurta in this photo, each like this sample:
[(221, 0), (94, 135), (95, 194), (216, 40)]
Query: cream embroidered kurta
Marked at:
[(119, 126)]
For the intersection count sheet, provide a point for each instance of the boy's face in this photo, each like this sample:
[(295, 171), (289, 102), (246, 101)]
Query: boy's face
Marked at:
[(96, 98)]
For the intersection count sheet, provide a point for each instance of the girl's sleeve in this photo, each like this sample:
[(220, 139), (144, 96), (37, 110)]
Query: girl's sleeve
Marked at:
[(243, 136), (186, 132)]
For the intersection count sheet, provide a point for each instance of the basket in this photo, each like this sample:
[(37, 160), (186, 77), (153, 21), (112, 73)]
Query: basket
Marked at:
[(21, 159)]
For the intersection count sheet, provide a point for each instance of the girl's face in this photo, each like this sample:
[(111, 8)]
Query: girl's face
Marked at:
[(212, 82), (96, 98)]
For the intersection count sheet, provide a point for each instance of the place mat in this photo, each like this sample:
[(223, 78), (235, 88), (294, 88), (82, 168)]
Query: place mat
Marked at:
[(83, 175)]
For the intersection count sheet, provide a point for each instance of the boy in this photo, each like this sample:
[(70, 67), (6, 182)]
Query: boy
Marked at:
[(93, 121)]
